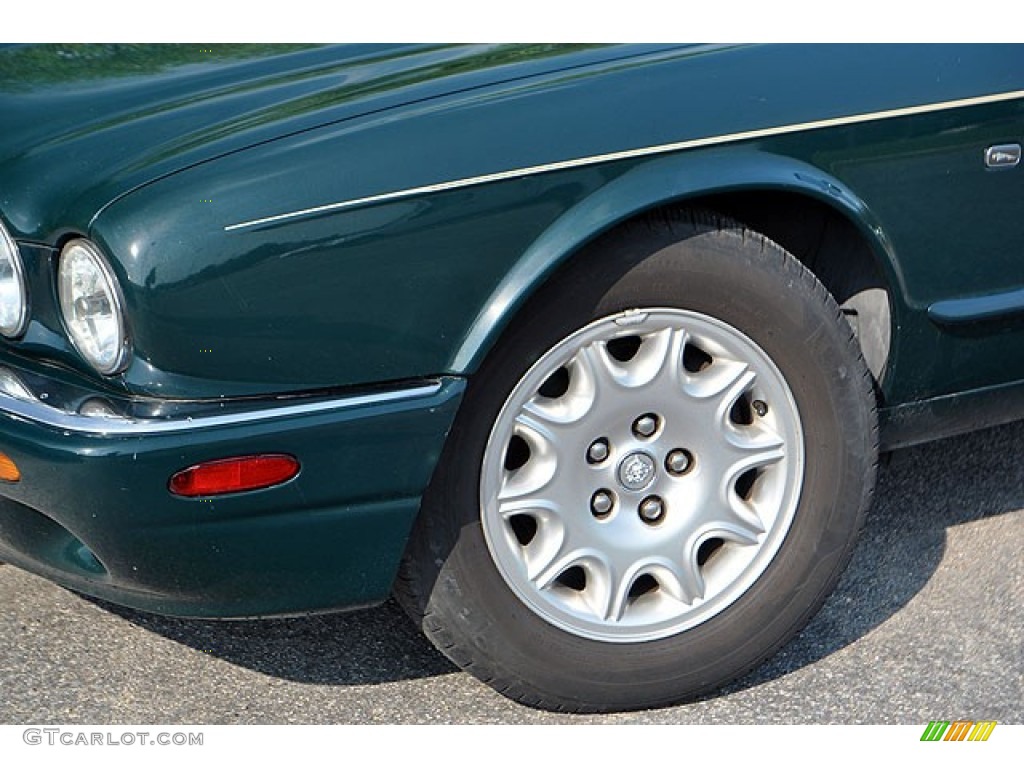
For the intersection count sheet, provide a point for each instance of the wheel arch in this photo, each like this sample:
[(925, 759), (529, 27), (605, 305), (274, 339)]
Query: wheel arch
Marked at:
[(774, 195)]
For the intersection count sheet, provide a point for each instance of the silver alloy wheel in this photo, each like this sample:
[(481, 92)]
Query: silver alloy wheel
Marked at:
[(642, 475)]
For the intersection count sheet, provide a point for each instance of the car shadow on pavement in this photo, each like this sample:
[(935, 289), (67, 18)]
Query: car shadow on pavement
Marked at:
[(921, 492), (365, 647)]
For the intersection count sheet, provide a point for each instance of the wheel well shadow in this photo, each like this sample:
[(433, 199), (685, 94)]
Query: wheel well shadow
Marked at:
[(829, 245)]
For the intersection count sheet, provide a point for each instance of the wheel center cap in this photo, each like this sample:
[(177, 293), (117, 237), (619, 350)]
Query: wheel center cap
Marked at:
[(636, 471)]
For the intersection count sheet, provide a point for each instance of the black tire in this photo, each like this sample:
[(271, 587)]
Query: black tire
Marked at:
[(449, 581)]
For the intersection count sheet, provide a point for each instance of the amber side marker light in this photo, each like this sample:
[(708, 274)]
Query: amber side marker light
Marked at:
[(241, 473), (8, 469)]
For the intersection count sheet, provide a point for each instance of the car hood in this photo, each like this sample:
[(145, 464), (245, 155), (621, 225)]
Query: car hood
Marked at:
[(81, 126)]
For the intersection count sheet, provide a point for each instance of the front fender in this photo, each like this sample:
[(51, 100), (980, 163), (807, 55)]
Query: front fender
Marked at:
[(671, 180)]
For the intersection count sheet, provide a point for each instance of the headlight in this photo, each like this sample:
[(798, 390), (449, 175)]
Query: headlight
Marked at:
[(91, 305), (13, 302)]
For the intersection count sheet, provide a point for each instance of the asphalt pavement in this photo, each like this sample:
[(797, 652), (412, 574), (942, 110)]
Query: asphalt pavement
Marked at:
[(927, 623)]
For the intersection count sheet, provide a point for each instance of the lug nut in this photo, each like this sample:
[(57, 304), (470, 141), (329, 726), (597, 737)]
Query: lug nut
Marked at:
[(598, 451), (645, 425), (601, 503), (678, 462), (760, 408), (651, 509)]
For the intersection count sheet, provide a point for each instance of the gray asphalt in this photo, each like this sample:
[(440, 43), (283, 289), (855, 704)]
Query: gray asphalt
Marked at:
[(927, 623)]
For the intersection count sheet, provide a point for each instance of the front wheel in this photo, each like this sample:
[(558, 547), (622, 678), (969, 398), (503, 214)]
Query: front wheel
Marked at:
[(655, 479)]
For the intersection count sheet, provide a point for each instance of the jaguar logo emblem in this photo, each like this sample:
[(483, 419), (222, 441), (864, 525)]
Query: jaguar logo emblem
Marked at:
[(636, 471), (1002, 156)]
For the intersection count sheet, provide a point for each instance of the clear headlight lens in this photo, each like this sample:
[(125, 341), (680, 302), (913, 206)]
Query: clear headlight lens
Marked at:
[(91, 305), (13, 300)]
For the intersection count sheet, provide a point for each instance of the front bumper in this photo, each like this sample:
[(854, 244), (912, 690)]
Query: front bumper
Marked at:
[(92, 510)]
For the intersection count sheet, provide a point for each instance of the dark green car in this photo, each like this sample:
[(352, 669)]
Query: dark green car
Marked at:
[(586, 353)]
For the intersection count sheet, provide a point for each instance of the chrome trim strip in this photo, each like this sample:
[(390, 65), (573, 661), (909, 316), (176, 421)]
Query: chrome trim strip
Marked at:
[(658, 149), (40, 413)]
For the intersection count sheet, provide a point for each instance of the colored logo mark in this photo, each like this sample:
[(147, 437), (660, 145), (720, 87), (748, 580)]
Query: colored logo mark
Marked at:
[(959, 730)]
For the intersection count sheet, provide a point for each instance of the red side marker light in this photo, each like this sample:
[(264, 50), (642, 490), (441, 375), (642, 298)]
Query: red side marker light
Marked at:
[(242, 473)]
